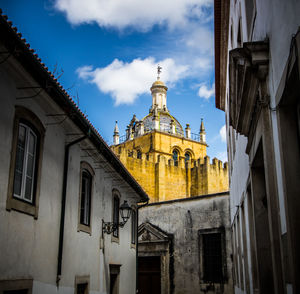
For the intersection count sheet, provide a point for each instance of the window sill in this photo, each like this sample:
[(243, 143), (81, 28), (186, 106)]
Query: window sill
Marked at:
[(84, 228), (21, 206)]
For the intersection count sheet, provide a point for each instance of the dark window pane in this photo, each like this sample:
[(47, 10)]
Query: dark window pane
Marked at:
[(116, 215), (85, 203), (28, 189), (133, 226), (187, 157), (82, 288), (212, 257), (25, 163), (175, 157)]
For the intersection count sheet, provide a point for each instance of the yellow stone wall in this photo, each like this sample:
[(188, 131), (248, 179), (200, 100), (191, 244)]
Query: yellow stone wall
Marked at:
[(156, 172)]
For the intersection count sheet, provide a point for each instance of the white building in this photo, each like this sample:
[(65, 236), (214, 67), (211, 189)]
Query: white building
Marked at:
[(58, 182), (257, 49)]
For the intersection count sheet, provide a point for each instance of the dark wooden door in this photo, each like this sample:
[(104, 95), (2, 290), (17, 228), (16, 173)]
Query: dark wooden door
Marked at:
[(149, 275)]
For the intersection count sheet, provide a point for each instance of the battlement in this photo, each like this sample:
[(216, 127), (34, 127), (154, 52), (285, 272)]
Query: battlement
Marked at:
[(163, 179)]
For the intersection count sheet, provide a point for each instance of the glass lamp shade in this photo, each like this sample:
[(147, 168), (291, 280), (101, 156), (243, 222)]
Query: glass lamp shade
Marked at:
[(125, 211)]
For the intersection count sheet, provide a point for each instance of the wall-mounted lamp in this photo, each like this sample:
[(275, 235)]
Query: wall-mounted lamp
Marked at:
[(125, 211)]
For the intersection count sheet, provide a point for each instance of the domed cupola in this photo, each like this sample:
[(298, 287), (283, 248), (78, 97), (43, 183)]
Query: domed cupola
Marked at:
[(159, 94)]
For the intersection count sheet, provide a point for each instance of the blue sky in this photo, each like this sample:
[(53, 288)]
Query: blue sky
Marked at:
[(105, 54)]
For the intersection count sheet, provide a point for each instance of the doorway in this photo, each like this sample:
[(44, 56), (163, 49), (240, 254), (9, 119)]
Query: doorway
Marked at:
[(149, 275)]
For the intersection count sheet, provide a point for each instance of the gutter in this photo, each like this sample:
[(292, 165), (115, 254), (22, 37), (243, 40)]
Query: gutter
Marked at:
[(63, 208)]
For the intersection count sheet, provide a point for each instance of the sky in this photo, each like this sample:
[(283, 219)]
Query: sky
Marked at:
[(105, 54)]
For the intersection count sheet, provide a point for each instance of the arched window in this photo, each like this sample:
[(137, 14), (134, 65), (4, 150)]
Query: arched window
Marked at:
[(175, 157), (187, 157), (139, 154)]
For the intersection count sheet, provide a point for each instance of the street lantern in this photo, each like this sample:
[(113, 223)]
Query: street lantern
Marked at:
[(109, 227), (125, 211)]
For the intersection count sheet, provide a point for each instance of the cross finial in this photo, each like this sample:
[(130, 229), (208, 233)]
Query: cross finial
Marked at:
[(158, 71)]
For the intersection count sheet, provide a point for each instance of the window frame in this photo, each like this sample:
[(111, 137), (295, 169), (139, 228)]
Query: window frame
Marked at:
[(85, 167), (26, 117), (115, 236), (201, 233)]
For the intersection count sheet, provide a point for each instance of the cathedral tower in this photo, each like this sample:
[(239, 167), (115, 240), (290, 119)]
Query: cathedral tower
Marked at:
[(168, 163)]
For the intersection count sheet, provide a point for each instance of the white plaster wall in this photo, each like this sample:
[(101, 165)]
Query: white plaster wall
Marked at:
[(28, 246), (278, 21), (239, 176)]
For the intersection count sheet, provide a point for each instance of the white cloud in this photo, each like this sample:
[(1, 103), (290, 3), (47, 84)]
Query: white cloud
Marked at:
[(201, 39), (222, 156), (141, 15), (206, 93), (222, 133), (126, 81)]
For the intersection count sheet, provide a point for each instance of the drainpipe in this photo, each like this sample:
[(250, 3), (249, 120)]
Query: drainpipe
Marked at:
[(63, 207), (137, 245)]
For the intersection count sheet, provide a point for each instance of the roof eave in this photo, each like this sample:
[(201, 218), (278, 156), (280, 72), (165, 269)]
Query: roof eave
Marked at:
[(30, 61)]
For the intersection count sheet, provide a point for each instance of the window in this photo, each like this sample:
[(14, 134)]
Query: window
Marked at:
[(82, 288), (175, 157), (85, 206), (133, 226), (187, 157), (114, 276), (116, 206), (25, 165), (16, 286), (85, 197), (82, 284), (139, 154), (212, 255)]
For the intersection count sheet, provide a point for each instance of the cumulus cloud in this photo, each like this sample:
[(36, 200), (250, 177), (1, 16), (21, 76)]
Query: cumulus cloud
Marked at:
[(141, 15), (201, 39), (205, 92), (222, 133), (126, 81)]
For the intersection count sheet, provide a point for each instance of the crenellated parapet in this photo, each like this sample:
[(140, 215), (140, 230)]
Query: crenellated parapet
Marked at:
[(163, 180)]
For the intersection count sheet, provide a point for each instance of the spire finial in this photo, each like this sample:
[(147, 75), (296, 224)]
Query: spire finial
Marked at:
[(159, 68)]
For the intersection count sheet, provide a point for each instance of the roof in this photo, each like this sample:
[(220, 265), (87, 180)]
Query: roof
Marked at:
[(21, 51), (159, 84)]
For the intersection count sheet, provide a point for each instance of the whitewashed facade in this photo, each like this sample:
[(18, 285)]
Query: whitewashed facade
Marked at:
[(58, 181), (257, 46)]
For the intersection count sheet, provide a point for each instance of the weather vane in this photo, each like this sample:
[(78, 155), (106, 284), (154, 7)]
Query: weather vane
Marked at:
[(158, 71)]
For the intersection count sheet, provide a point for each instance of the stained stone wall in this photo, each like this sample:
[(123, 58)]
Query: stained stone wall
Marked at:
[(185, 220)]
